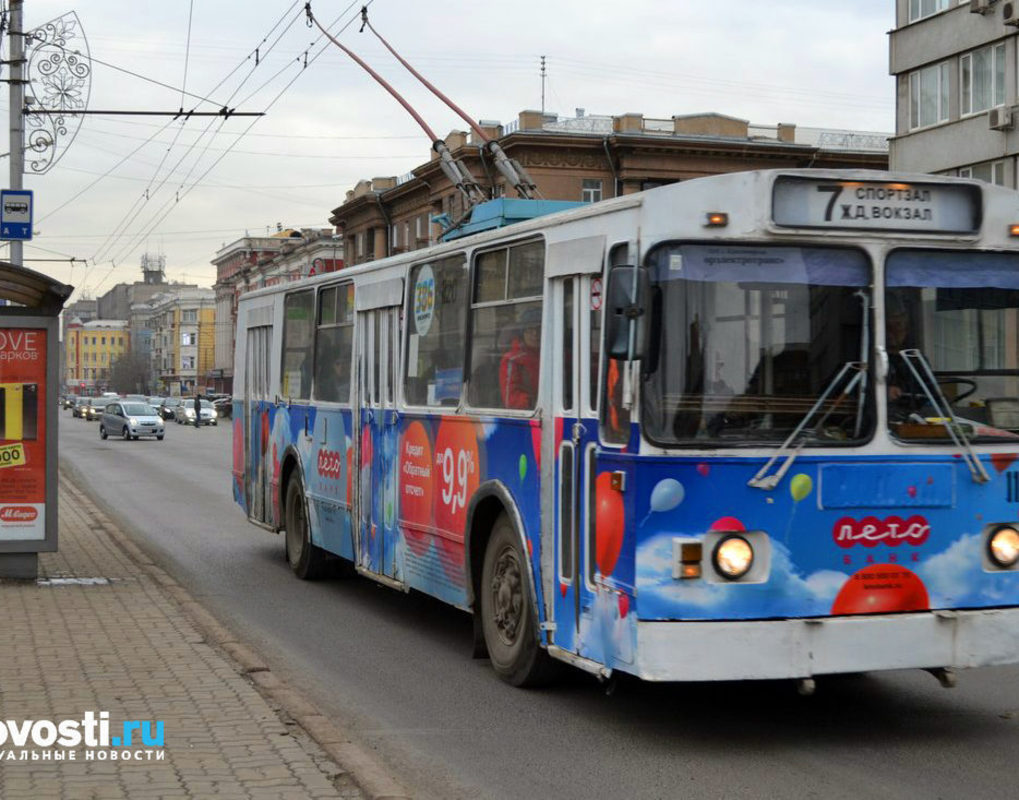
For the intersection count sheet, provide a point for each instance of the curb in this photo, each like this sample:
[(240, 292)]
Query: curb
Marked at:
[(366, 770)]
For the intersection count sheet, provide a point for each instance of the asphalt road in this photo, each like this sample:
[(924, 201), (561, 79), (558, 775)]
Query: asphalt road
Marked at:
[(395, 669)]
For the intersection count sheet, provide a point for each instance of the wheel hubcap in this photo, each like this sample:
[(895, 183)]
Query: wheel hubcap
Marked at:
[(507, 596)]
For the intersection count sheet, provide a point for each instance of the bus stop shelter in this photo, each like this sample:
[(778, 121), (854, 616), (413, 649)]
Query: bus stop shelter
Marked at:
[(29, 381)]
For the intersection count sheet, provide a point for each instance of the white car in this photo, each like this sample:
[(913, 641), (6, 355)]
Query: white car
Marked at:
[(185, 413), (130, 420)]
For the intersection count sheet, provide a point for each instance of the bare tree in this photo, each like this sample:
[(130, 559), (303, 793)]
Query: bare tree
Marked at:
[(131, 373)]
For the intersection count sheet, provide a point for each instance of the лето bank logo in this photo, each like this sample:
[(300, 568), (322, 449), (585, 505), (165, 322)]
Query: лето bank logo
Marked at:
[(49, 740)]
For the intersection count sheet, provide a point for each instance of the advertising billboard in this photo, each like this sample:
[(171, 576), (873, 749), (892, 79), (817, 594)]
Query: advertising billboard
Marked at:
[(23, 452)]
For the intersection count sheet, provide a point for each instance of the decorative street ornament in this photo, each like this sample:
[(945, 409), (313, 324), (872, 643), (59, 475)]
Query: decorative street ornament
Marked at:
[(59, 78)]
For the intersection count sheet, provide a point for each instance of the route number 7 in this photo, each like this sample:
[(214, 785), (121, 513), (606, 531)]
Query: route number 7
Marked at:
[(835, 191)]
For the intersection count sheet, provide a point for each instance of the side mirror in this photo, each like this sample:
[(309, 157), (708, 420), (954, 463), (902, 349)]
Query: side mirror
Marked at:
[(626, 313)]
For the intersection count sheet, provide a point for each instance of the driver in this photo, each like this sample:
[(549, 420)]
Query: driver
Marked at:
[(897, 325)]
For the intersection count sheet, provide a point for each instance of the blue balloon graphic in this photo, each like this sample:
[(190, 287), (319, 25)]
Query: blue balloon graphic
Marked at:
[(666, 495)]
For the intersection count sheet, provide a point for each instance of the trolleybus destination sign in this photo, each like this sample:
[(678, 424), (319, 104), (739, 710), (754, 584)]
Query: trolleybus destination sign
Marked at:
[(876, 205)]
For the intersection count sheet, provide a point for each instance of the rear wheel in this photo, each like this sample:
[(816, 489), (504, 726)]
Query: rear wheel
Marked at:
[(306, 560), (507, 611)]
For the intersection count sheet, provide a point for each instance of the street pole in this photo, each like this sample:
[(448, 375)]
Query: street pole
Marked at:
[(17, 103)]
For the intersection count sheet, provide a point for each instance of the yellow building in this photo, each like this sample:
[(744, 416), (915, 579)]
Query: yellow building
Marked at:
[(90, 349)]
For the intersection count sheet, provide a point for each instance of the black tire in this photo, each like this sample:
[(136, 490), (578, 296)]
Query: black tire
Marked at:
[(159, 437), (126, 434), (102, 431), (507, 612), (306, 560)]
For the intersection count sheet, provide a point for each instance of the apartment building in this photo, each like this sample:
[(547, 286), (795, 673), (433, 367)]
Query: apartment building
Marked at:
[(955, 66)]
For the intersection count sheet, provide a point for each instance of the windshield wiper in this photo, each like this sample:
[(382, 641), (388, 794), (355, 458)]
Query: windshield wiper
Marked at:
[(790, 448), (924, 375)]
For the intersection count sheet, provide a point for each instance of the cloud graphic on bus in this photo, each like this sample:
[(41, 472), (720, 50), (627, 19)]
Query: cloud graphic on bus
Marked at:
[(786, 591)]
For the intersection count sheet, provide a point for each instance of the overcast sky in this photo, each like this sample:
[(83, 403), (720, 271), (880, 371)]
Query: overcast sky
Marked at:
[(127, 185)]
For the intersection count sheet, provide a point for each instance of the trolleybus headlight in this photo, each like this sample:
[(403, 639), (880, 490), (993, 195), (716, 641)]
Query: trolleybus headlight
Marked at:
[(1003, 546), (732, 557)]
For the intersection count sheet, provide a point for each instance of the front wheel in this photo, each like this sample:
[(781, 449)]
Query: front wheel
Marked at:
[(306, 560), (507, 611), (102, 431), (126, 434)]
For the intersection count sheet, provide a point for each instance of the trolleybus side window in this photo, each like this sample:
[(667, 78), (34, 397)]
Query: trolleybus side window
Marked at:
[(298, 313), (334, 343), (506, 327), (436, 327)]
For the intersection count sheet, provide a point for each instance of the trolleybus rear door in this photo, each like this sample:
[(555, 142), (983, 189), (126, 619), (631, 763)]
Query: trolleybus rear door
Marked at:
[(378, 435), (256, 470)]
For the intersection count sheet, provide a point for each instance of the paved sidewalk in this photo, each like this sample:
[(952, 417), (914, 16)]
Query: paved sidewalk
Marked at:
[(128, 644)]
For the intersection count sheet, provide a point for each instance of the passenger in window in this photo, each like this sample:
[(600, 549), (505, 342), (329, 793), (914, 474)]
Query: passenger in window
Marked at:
[(521, 364), (335, 386)]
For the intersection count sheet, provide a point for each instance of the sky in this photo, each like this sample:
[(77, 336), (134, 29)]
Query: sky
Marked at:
[(126, 185)]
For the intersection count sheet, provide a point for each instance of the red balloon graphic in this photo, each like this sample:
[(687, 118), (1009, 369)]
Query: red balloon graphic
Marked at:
[(727, 524), (881, 589), (456, 474), (624, 605), (350, 472), (416, 486), (610, 523)]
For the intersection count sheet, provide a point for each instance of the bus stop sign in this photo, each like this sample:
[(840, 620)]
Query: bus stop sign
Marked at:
[(15, 214)]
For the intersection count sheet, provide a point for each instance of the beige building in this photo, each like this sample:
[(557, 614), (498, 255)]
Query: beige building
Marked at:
[(182, 324), (586, 159)]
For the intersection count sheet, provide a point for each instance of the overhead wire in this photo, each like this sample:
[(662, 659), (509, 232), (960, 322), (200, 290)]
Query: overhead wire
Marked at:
[(118, 233), (184, 190)]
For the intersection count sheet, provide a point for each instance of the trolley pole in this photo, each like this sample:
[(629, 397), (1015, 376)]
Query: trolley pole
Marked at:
[(17, 103)]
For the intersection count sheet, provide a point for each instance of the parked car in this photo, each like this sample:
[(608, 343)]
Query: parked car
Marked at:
[(167, 407), (78, 409), (94, 407), (223, 403), (155, 402), (130, 419), (185, 413)]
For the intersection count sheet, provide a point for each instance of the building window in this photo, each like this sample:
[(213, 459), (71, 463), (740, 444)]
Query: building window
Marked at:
[(188, 339), (590, 191), (918, 9), (187, 362), (989, 172), (982, 79), (928, 96)]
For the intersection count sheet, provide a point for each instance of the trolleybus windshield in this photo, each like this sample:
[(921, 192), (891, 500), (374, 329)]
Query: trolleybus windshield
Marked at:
[(959, 313), (747, 339)]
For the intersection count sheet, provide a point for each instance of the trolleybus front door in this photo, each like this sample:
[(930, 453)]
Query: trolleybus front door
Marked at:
[(378, 435), (577, 301)]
